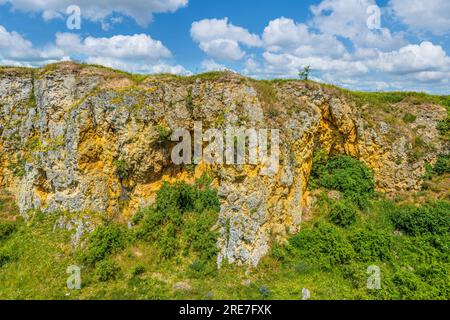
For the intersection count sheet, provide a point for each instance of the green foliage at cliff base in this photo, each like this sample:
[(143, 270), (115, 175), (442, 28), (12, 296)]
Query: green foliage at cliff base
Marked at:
[(330, 256)]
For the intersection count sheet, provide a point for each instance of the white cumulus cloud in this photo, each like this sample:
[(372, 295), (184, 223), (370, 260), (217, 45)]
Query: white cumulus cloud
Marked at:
[(136, 47), (137, 53), (99, 10), (349, 19), (423, 16), (425, 57), (222, 40)]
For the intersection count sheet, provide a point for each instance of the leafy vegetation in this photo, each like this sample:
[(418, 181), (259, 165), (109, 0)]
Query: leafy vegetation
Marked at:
[(123, 169), (107, 270), (182, 219), (105, 240), (409, 118), (345, 174), (343, 213), (304, 74), (444, 126), (6, 230), (18, 167), (266, 93), (441, 167), (433, 219), (164, 134), (330, 256)]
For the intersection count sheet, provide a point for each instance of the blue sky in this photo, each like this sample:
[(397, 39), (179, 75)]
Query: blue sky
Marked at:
[(343, 41)]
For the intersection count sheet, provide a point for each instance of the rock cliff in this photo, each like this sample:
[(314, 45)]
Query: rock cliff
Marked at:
[(88, 139)]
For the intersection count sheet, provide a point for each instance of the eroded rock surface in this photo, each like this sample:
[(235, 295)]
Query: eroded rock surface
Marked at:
[(64, 129)]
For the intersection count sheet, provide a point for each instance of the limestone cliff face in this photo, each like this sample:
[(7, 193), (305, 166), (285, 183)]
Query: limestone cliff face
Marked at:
[(64, 128)]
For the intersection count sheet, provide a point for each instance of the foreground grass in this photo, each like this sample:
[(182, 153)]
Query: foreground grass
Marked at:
[(412, 267)]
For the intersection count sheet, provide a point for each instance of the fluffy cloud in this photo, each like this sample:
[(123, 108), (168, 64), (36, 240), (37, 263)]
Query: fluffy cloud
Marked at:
[(98, 10), (423, 58), (284, 35), (137, 53), (288, 65), (221, 40), (223, 49), (349, 19), (138, 66), (419, 15), (136, 47), (211, 65), (18, 51)]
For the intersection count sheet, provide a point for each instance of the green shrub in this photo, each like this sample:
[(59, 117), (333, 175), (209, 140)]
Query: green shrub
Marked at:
[(342, 213), (319, 167), (199, 234), (444, 126), (372, 245), (123, 170), (442, 165), (138, 270), (105, 240), (345, 174), (4, 258), (198, 266), (432, 218), (182, 217), (7, 255), (190, 101), (164, 134), (409, 118), (107, 270), (6, 230), (325, 244)]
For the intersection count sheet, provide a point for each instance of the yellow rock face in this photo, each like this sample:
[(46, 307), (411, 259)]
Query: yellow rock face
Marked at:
[(94, 140)]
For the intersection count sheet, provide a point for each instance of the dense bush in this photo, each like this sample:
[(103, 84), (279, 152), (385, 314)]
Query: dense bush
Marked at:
[(371, 244), (105, 240), (415, 266), (107, 270), (138, 270), (6, 230), (444, 126), (325, 244), (182, 218), (442, 165), (342, 213), (5, 257), (345, 174), (432, 218)]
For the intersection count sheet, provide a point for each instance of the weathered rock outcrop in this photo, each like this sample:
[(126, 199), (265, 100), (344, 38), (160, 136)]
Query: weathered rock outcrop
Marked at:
[(64, 129)]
